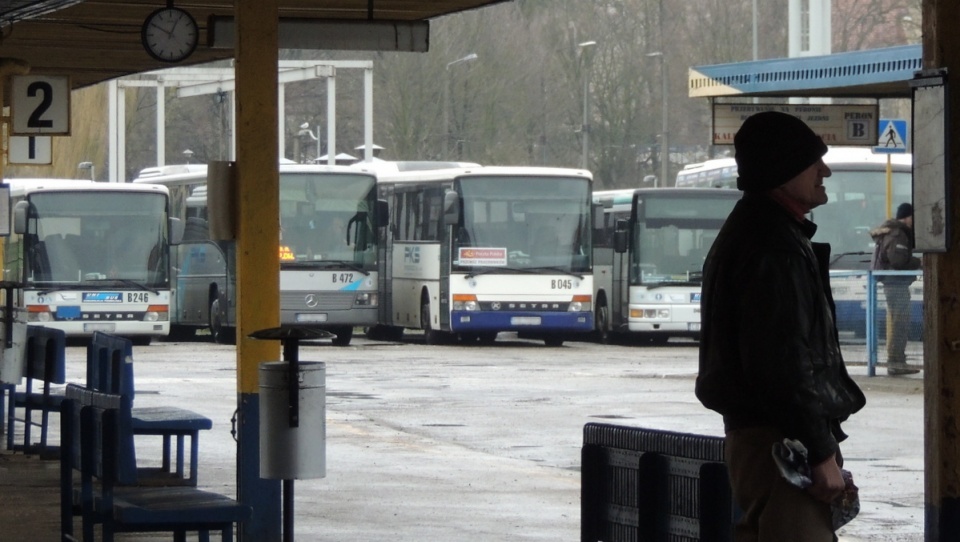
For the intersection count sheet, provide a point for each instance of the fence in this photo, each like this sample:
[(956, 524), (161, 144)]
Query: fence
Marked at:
[(862, 307)]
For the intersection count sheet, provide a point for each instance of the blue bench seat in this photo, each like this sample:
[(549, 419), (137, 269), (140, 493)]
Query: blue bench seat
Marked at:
[(97, 436)]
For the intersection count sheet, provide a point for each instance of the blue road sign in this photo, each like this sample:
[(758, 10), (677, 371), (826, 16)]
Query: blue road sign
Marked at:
[(891, 137)]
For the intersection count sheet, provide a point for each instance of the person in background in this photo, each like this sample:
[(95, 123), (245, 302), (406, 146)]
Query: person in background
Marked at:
[(894, 251), (770, 358)]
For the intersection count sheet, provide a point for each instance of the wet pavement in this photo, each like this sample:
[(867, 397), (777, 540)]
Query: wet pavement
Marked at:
[(473, 444)]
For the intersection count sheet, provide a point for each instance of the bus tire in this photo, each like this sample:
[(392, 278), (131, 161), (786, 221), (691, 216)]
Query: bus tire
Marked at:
[(344, 334), (430, 335), (602, 319), (221, 333)]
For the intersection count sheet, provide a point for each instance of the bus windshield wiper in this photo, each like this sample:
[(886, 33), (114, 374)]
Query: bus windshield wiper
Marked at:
[(485, 270), (558, 270), (53, 288), (529, 270), (664, 283), (325, 263), (128, 282)]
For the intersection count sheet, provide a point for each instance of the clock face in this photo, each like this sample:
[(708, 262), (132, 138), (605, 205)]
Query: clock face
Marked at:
[(170, 34)]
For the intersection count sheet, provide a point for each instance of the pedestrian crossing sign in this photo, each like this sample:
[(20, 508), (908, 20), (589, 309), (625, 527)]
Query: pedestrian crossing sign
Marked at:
[(892, 137)]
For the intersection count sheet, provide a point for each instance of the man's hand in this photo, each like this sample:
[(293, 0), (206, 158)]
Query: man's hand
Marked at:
[(827, 480)]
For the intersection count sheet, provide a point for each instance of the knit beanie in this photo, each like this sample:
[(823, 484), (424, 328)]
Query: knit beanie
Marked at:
[(772, 148), (905, 210)]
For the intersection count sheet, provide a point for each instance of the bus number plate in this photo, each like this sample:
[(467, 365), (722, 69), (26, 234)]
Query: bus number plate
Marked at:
[(138, 297), (342, 278), (525, 321)]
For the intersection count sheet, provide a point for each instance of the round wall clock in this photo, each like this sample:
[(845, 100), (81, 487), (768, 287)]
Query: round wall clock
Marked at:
[(170, 34)]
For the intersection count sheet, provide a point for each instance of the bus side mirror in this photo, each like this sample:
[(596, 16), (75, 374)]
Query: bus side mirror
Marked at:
[(175, 230), (598, 216), (20, 217), (382, 213), (621, 234), (451, 208)]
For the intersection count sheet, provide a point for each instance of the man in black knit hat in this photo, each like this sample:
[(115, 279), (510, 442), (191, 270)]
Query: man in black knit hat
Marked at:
[(894, 251), (770, 359)]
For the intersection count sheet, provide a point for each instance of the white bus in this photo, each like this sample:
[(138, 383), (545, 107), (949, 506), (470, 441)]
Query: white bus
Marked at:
[(648, 259), (858, 203), (473, 251), (89, 256), (329, 217)]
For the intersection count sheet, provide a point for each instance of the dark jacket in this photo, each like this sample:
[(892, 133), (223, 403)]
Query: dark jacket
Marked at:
[(769, 351), (894, 251)]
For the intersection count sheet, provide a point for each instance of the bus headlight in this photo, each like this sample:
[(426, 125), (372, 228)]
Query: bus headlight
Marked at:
[(581, 303), (366, 299), (156, 313), (39, 313), (465, 302)]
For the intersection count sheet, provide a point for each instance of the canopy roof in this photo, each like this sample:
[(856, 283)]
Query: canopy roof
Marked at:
[(876, 73), (95, 40)]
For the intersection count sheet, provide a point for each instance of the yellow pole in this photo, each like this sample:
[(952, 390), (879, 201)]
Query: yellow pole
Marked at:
[(258, 247)]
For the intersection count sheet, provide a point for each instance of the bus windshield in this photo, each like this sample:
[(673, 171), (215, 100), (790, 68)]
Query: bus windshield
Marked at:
[(523, 223), (857, 203), (327, 218), (673, 235), (103, 237)]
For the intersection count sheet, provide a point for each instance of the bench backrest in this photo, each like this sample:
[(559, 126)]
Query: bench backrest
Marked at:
[(110, 364), (645, 484), (99, 436), (46, 354)]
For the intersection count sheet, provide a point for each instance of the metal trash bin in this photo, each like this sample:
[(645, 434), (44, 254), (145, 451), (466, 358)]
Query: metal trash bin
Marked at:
[(297, 452)]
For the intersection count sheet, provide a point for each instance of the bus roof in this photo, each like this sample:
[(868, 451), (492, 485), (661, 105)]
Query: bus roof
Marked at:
[(477, 171), (389, 166), (614, 197), (193, 173), (21, 186), (719, 170)]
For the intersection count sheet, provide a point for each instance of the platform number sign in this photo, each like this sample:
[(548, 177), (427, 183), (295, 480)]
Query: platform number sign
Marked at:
[(31, 150), (40, 105)]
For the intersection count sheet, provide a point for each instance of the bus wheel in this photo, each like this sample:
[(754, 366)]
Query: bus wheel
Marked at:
[(221, 333), (430, 335), (344, 334), (553, 340), (603, 321)]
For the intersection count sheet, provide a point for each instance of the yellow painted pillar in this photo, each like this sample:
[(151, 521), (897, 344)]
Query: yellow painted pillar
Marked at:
[(258, 248), (941, 294)]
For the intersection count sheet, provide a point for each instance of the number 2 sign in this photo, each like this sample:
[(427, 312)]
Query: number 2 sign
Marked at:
[(40, 105)]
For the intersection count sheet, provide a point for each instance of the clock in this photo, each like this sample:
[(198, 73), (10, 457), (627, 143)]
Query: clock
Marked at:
[(170, 34)]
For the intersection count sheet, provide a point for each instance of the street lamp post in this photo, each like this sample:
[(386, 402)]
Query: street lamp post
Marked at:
[(664, 121), (446, 103), (585, 127)]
